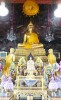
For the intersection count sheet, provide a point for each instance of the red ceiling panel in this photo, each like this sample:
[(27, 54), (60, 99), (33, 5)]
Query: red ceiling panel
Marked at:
[(39, 1)]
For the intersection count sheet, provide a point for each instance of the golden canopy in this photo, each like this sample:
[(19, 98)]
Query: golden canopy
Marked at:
[(30, 7)]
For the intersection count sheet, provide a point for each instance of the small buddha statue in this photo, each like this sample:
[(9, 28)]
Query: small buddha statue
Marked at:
[(31, 38), (51, 57), (30, 64), (9, 59), (31, 72)]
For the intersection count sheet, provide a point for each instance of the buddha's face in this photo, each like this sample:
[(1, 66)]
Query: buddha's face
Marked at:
[(30, 28), (30, 58), (11, 50)]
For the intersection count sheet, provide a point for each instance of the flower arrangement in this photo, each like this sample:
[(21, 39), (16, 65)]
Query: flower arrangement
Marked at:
[(39, 62), (22, 62)]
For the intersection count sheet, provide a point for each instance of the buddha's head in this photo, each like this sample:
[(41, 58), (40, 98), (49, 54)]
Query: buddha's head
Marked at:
[(30, 58), (30, 27), (11, 50), (50, 51)]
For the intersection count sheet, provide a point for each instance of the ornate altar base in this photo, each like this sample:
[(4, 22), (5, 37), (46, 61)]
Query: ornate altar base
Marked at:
[(36, 88), (35, 91), (32, 92), (23, 52)]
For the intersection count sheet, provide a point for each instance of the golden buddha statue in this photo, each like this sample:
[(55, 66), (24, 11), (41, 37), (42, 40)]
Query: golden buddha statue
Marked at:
[(9, 59), (31, 38), (51, 57)]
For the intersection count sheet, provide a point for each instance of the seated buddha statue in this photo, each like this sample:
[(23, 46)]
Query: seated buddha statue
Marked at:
[(31, 38), (30, 64)]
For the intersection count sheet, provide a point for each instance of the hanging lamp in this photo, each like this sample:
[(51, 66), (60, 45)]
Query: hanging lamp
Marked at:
[(57, 12), (3, 10), (49, 36), (11, 36)]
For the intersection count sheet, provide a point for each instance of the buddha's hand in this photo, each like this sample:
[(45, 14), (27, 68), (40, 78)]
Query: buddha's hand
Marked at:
[(23, 43)]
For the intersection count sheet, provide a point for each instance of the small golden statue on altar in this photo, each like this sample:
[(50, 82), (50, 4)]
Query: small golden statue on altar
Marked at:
[(51, 57), (31, 38), (9, 59)]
